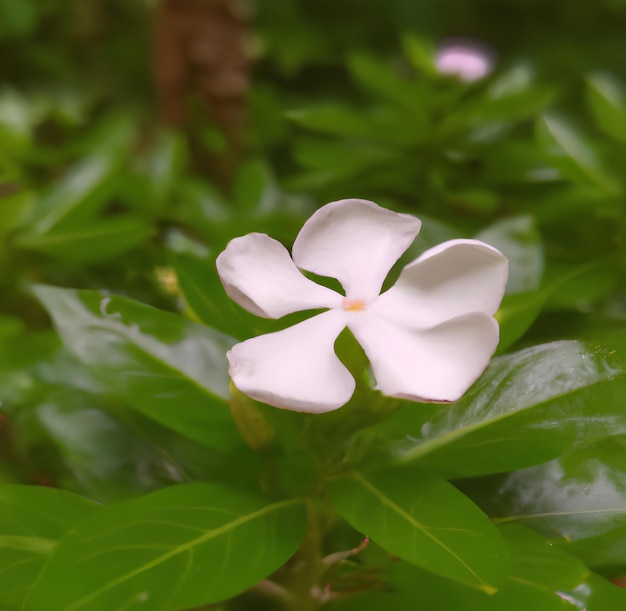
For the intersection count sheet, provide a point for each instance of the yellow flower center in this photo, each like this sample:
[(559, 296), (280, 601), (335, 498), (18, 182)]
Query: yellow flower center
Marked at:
[(353, 305)]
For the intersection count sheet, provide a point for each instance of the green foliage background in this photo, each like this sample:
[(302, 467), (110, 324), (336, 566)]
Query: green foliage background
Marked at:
[(116, 410)]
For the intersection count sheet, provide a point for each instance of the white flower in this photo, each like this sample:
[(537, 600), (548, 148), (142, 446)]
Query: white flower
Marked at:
[(468, 60), (428, 338)]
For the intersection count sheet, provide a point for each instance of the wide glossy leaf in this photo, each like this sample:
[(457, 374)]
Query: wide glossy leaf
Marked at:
[(543, 578), (425, 521), (168, 368), (607, 100), (579, 499), (32, 520), (176, 548), (102, 457), (92, 240), (527, 408)]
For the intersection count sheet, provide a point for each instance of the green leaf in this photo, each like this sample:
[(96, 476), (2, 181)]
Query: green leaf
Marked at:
[(176, 548), (81, 191), (18, 19), (164, 164), (342, 158), (14, 209), (538, 562), (205, 295), (91, 241), (421, 53), (568, 289), (515, 161), (170, 369), (581, 496), (543, 578), (516, 314), (382, 81), (607, 101), (527, 408), (332, 119), (101, 456), (155, 176), (518, 239), (512, 96), (254, 188), (580, 287), (32, 520), (574, 155), (425, 521), (384, 126)]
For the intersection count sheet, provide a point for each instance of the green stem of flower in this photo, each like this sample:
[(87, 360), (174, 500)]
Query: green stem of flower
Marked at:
[(306, 565)]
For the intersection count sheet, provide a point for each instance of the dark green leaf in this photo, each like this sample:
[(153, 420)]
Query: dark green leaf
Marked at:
[(92, 241), (32, 520), (382, 81), (528, 407), (205, 295), (14, 209), (421, 53), (168, 368), (512, 96), (577, 498), (101, 456), (518, 239), (543, 578), (336, 120), (574, 155), (425, 521), (176, 548), (516, 314), (83, 189), (254, 189), (566, 289), (607, 101)]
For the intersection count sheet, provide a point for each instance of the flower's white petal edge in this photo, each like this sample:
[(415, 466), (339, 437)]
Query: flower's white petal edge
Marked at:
[(355, 241), (449, 280), (258, 273), (296, 368), (437, 364)]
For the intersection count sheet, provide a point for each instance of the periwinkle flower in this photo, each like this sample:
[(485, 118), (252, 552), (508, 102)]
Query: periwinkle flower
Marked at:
[(428, 337), (468, 60)]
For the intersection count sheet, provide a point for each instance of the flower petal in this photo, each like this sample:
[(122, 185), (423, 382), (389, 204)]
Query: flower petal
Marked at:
[(258, 273), (437, 364), (449, 280), (356, 242), (296, 368)]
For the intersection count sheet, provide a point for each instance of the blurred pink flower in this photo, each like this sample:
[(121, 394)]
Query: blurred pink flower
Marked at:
[(469, 60)]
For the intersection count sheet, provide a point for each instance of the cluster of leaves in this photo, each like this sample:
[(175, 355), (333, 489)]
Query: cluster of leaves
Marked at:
[(133, 477)]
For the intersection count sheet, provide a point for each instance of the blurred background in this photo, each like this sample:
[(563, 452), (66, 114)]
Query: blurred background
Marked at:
[(138, 136)]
